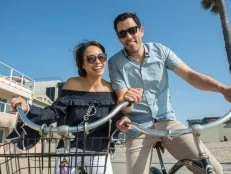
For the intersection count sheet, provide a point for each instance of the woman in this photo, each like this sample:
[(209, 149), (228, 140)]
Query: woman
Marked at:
[(84, 98)]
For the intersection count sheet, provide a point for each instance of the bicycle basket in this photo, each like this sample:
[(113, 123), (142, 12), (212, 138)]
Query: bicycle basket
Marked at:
[(45, 158)]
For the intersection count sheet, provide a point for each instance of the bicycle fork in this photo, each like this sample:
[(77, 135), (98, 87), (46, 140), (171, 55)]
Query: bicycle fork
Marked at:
[(202, 154), (207, 166)]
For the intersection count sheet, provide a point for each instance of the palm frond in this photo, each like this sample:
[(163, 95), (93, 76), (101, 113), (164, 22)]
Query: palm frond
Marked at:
[(211, 5), (206, 4), (215, 9)]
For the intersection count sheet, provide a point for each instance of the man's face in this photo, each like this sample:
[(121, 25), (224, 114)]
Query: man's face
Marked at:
[(130, 35)]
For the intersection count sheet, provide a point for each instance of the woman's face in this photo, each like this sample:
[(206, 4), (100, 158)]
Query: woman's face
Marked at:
[(94, 61)]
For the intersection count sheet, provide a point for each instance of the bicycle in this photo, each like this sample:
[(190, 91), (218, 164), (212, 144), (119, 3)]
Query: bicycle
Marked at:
[(46, 158), (202, 163)]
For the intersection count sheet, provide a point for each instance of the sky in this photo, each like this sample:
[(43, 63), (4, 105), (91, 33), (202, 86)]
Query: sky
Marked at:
[(37, 39)]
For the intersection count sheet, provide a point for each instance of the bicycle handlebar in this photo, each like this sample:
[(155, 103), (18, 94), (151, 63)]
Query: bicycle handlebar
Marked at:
[(64, 129), (161, 133), (195, 129)]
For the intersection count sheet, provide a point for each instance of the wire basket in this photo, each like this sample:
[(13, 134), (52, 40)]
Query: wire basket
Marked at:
[(46, 158)]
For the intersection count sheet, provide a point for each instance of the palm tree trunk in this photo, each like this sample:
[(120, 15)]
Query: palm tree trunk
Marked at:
[(226, 30)]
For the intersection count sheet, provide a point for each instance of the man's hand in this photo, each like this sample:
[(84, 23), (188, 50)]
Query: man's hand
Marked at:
[(19, 101), (133, 95), (122, 124), (227, 93)]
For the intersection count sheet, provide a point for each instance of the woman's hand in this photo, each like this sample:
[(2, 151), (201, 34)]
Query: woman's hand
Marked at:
[(21, 102), (122, 124)]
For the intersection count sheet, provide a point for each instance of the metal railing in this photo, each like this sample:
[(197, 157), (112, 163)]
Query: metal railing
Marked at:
[(11, 75)]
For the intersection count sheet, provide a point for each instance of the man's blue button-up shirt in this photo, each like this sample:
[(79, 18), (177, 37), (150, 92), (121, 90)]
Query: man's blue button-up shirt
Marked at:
[(151, 75)]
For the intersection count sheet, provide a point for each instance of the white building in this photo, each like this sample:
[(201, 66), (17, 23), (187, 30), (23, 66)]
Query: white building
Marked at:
[(46, 91), (214, 134), (13, 84)]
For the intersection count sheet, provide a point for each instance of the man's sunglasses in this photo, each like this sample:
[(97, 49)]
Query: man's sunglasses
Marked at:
[(102, 57), (123, 33)]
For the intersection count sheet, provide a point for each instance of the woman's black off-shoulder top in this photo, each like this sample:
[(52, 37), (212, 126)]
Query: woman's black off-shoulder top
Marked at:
[(75, 107)]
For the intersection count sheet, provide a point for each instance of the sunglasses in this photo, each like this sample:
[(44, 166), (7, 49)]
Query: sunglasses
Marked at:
[(123, 33), (102, 57)]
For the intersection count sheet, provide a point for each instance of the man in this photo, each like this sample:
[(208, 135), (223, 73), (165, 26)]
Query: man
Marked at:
[(138, 73)]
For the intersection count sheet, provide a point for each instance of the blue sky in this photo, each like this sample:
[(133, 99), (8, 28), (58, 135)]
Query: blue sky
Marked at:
[(37, 39)]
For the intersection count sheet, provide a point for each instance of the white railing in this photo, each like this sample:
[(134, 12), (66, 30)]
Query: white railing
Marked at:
[(12, 76), (5, 107)]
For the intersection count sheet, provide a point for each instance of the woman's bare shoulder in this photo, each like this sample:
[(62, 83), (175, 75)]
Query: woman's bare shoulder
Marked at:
[(72, 83), (108, 84)]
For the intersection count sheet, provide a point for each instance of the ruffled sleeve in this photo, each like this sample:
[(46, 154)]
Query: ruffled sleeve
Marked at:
[(50, 114), (26, 137)]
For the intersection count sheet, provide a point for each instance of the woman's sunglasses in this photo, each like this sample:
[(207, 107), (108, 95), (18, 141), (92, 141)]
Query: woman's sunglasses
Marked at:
[(123, 33), (102, 57)]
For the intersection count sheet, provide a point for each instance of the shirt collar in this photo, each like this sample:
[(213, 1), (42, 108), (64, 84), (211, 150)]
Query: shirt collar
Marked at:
[(146, 52)]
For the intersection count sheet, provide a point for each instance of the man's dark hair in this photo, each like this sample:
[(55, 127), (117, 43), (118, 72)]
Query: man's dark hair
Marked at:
[(125, 16), (78, 54)]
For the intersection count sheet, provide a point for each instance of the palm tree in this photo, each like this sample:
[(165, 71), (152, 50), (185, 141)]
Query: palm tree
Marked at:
[(219, 6)]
